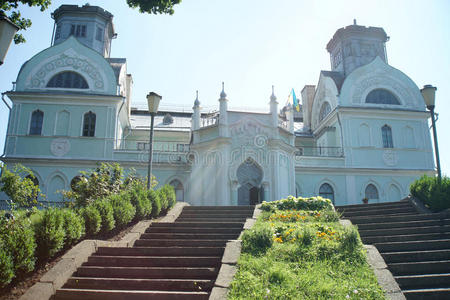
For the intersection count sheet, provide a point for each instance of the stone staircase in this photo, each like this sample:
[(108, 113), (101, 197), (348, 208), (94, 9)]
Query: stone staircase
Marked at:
[(415, 246), (177, 260)]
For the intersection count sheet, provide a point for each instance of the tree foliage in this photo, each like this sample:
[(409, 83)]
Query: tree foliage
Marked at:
[(10, 9), (19, 186), (154, 6)]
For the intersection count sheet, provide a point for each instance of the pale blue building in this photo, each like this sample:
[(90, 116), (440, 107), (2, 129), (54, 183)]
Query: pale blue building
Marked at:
[(361, 132)]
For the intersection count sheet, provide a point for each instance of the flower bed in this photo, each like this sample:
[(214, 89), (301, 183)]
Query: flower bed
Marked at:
[(302, 254)]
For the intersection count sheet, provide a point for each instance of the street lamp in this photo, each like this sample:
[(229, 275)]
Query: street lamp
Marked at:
[(7, 31), (153, 104), (428, 93)]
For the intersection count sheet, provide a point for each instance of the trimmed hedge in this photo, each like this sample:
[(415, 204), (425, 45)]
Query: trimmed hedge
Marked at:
[(50, 233), (38, 235), (299, 203), (434, 195)]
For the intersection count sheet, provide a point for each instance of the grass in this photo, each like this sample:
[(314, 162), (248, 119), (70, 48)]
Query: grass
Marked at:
[(303, 255)]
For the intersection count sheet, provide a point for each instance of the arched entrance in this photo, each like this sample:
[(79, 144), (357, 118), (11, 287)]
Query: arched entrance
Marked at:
[(179, 190), (249, 175)]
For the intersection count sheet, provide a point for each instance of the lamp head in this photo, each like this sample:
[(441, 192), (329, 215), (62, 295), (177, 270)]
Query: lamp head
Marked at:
[(153, 100), (428, 93)]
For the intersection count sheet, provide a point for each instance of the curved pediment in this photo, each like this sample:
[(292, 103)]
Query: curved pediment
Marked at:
[(326, 92), (68, 56), (378, 75)]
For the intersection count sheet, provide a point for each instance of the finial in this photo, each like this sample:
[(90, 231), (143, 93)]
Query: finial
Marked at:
[(354, 21), (273, 97), (222, 94), (196, 102)]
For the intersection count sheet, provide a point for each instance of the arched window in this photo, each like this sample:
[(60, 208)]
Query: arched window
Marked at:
[(326, 191), (371, 192), (68, 79), (37, 117), (386, 133), (325, 109), (381, 96), (89, 124), (179, 190)]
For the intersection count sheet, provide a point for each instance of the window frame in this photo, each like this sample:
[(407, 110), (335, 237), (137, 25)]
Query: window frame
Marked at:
[(378, 94), (324, 194), (88, 129), (386, 137), (36, 125), (67, 80), (368, 194)]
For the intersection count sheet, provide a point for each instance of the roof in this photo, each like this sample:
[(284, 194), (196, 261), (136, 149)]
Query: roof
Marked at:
[(117, 64), (337, 77), (142, 121)]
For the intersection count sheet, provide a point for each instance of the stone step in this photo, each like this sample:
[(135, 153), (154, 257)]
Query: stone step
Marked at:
[(220, 208), (139, 284), (382, 204), (413, 246), (190, 236), (405, 238), (379, 212), (160, 251), (148, 272), (387, 225), (152, 229), (428, 294), (423, 281), (393, 218), (207, 219), (77, 294), (220, 225), (403, 231), (179, 243), (416, 268), (374, 206), (215, 214), (417, 256), (153, 261)]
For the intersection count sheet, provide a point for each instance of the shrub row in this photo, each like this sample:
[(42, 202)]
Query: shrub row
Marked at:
[(434, 194), (36, 236), (298, 203)]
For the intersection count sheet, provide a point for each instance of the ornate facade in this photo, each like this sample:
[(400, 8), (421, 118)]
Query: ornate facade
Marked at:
[(362, 132)]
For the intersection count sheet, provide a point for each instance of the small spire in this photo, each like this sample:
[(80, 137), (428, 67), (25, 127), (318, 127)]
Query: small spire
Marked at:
[(273, 97), (354, 22), (196, 102), (222, 94)]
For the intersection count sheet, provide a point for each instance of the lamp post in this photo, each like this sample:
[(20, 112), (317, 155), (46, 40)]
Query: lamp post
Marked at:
[(153, 100), (7, 31), (428, 93)]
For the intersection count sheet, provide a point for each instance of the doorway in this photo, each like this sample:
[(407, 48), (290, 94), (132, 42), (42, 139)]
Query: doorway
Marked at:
[(249, 175)]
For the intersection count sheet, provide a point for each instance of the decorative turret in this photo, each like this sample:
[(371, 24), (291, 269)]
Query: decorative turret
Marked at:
[(91, 25), (196, 114), (223, 112), (274, 108), (355, 45)]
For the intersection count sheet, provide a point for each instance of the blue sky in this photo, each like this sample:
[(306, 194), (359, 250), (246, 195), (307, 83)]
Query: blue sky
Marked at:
[(253, 44)]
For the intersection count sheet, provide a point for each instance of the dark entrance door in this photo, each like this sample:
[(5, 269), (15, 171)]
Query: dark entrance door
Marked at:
[(254, 196), (249, 175)]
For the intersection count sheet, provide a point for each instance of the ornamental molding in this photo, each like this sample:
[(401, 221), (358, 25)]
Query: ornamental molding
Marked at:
[(379, 79), (60, 147), (67, 61), (390, 158)]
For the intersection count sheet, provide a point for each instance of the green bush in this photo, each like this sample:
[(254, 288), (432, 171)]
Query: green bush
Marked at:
[(123, 210), (257, 240), (73, 225), (433, 194), (170, 194), (92, 219), (105, 208), (6, 265), (156, 203), (305, 236), (163, 199), (50, 233), (18, 238), (349, 239), (299, 203), (139, 199)]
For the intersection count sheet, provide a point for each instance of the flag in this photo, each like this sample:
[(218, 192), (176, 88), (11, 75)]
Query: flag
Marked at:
[(293, 99)]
